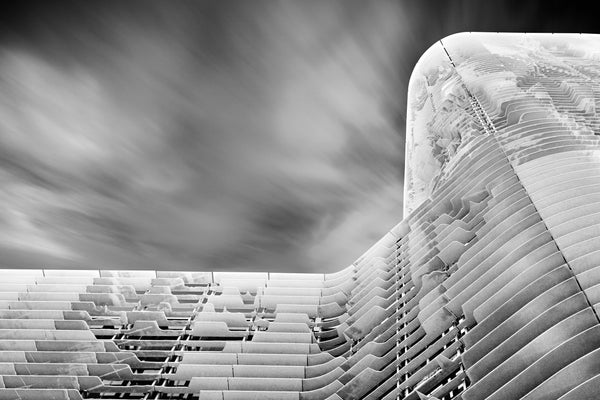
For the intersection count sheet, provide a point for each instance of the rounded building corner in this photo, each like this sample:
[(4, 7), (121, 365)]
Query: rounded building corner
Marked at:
[(433, 51)]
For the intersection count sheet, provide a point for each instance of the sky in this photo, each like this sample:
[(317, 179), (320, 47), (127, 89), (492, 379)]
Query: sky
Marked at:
[(216, 135)]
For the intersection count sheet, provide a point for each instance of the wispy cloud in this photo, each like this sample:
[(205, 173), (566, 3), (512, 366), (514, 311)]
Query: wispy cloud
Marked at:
[(256, 137)]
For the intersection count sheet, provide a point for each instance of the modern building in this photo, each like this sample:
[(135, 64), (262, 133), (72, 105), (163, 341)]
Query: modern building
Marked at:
[(488, 289)]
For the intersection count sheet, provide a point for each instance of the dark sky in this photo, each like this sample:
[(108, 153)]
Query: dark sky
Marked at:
[(221, 135)]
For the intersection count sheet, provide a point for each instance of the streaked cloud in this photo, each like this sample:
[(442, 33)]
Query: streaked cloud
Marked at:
[(196, 136)]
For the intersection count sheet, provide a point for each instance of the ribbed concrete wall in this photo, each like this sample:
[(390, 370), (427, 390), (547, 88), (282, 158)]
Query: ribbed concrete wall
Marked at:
[(210, 336), (488, 289), (504, 242)]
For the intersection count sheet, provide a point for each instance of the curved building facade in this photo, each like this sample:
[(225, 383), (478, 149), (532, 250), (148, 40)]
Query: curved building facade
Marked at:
[(488, 289)]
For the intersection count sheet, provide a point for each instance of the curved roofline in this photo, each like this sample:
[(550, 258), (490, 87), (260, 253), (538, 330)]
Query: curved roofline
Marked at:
[(431, 48)]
